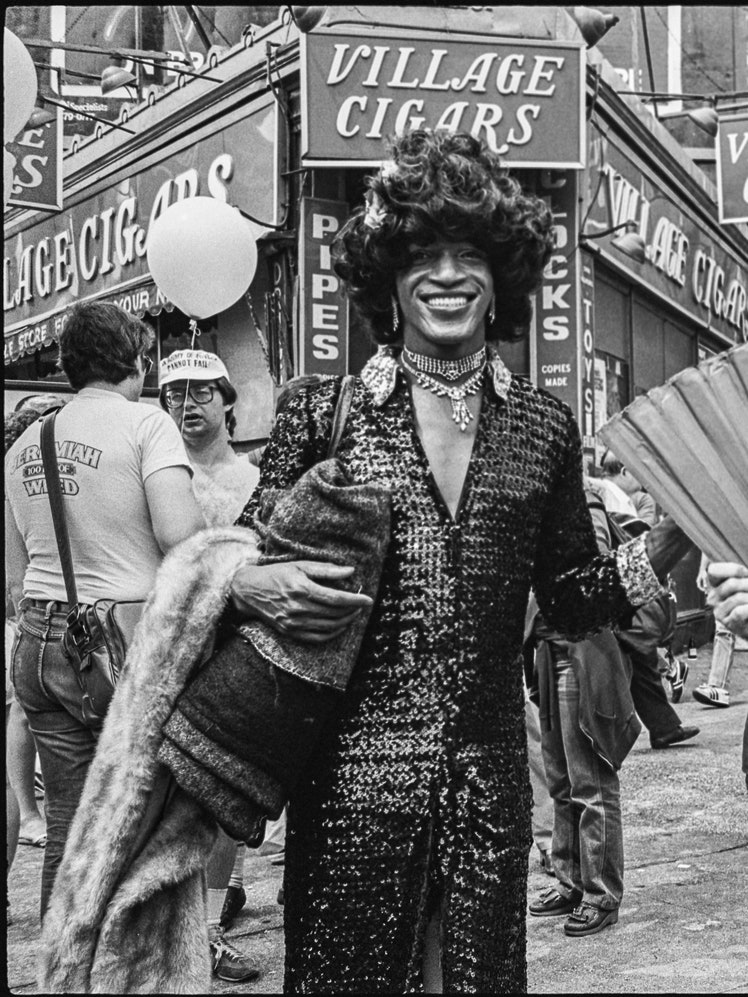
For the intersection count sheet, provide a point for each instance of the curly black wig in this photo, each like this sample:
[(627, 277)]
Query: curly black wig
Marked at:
[(444, 185)]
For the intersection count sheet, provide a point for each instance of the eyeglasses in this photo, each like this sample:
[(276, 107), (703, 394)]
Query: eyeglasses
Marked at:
[(147, 364), (199, 393)]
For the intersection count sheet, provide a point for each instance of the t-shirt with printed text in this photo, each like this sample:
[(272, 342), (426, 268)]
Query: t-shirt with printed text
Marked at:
[(107, 447)]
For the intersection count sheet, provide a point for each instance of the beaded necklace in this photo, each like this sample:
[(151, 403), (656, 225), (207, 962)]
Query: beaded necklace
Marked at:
[(450, 370), (461, 414)]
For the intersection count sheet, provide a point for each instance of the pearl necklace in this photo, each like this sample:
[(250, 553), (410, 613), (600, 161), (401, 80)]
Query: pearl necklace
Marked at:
[(461, 414), (450, 370)]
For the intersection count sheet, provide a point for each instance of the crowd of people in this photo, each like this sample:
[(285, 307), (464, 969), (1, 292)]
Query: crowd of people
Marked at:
[(508, 610)]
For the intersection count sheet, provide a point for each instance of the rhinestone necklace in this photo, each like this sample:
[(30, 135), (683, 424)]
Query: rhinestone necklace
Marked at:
[(450, 370), (461, 414)]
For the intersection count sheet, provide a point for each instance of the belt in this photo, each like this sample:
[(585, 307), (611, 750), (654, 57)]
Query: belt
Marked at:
[(45, 604)]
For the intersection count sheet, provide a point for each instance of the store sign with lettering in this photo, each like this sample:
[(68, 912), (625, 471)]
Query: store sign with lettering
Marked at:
[(323, 310), (525, 98), (732, 166), (37, 176), (98, 245), (689, 265), (557, 361), (136, 301)]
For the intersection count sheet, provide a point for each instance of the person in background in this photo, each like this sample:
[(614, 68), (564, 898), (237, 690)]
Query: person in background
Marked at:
[(647, 629), (728, 596), (20, 749), (588, 726), (542, 801), (715, 691), (128, 499), (196, 392), (617, 485), (42, 403)]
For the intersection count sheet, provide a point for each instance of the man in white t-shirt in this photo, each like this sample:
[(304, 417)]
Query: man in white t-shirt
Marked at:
[(128, 499)]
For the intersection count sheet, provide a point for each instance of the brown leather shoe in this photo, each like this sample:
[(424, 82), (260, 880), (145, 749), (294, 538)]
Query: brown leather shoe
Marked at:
[(550, 903), (588, 920)]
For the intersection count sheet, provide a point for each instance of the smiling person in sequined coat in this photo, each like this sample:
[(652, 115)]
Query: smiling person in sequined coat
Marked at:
[(407, 846)]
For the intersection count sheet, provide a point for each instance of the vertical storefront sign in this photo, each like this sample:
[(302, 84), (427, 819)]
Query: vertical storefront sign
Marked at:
[(587, 419), (323, 311), (37, 177), (558, 340), (732, 165)]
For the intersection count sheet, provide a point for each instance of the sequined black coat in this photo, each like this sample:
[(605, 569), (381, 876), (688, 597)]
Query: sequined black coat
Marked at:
[(419, 789)]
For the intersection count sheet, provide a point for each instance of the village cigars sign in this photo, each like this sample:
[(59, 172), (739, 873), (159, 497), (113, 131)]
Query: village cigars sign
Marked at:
[(524, 97)]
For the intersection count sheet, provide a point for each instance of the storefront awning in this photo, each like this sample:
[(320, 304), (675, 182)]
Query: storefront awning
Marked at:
[(140, 298)]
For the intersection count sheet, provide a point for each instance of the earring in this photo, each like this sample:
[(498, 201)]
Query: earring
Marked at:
[(492, 311), (395, 316)]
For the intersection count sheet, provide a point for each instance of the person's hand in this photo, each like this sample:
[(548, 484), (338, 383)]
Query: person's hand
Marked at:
[(289, 597), (702, 579), (729, 595)]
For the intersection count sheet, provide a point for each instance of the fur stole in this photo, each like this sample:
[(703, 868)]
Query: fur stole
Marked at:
[(114, 924)]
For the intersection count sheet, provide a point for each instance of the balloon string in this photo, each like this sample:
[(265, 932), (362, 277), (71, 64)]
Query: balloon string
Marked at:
[(195, 330)]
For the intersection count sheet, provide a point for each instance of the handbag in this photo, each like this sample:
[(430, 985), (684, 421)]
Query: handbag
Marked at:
[(97, 637)]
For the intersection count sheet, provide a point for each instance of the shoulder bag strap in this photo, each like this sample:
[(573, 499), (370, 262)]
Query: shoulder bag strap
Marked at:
[(342, 409), (54, 491)]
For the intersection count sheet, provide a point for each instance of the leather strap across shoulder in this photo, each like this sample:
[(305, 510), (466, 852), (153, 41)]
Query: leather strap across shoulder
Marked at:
[(342, 408)]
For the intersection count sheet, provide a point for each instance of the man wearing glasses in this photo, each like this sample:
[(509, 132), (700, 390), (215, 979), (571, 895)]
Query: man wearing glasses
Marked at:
[(128, 499), (197, 393)]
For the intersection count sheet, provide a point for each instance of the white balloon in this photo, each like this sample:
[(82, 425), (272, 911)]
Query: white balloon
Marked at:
[(9, 166), (202, 255), (19, 86)]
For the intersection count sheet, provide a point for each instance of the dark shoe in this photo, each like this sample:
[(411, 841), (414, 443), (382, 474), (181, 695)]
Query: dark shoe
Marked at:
[(588, 920), (227, 963), (235, 900), (674, 736), (550, 903)]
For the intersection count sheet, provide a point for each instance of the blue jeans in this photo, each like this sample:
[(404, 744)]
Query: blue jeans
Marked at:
[(587, 852), (47, 688)]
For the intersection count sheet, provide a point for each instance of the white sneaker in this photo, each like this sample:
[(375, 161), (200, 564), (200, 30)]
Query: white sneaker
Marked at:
[(711, 695)]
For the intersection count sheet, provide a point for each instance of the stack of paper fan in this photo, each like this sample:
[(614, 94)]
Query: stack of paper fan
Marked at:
[(687, 442)]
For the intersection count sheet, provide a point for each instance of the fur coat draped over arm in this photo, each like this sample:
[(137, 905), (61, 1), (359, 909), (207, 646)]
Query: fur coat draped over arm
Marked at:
[(115, 925), (129, 919)]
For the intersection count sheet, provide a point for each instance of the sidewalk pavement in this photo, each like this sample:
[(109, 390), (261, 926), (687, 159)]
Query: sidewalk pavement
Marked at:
[(683, 925)]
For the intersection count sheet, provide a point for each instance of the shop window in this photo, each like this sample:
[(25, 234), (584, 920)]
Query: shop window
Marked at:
[(611, 386), (38, 366), (612, 316), (649, 348), (679, 349)]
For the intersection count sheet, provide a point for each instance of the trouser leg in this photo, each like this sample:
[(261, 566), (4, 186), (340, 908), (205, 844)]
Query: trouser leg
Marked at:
[(566, 814), (595, 797), (650, 698), (722, 656), (47, 689), (542, 802)]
